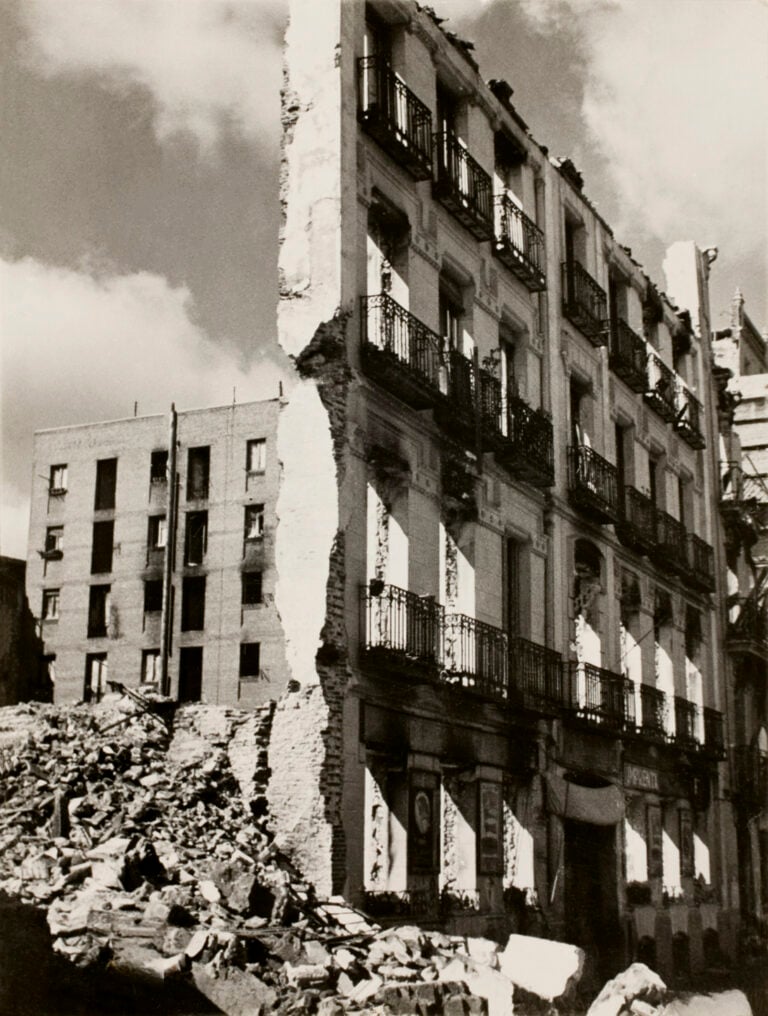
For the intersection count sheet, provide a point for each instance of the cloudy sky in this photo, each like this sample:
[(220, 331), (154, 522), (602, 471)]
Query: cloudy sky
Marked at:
[(138, 180)]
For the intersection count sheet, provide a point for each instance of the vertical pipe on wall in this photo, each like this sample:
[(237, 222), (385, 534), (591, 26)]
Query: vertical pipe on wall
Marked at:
[(166, 615)]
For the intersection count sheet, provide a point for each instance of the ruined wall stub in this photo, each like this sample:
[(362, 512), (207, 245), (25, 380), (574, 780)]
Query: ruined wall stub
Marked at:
[(306, 754)]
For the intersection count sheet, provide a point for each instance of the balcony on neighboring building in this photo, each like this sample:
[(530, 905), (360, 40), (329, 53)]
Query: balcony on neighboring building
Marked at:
[(628, 358), (400, 352), (525, 445), (653, 704), (670, 550), (750, 776), (403, 631), (593, 485), (585, 303), (475, 656), (660, 393), (537, 680), (740, 496), (714, 733), (688, 418), (747, 633), (394, 117), (636, 527), (520, 244), (686, 723), (602, 697), (701, 563), (455, 409), (463, 186)]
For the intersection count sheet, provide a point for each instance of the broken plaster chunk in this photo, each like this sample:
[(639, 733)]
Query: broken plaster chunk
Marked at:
[(208, 891), (540, 966), (302, 975)]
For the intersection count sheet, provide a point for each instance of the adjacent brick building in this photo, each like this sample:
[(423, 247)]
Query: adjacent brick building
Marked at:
[(128, 542)]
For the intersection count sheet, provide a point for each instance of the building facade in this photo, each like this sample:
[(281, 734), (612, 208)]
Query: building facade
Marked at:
[(151, 555), (508, 691), (21, 677)]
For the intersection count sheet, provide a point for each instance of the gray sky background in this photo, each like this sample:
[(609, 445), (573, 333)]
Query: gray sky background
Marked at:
[(139, 175)]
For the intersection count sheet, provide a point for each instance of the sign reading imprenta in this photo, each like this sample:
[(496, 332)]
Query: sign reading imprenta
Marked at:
[(641, 778)]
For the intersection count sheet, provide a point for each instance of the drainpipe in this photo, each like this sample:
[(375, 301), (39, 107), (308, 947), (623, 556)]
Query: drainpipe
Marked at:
[(166, 615)]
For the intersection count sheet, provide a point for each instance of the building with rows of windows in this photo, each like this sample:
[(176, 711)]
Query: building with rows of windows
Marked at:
[(154, 567), (509, 687)]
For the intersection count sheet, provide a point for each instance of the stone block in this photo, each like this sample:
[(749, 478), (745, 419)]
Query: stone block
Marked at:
[(544, 968), (636, 982)]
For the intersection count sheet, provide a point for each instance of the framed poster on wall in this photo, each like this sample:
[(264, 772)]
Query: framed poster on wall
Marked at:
[(490, 850), (653, 832)]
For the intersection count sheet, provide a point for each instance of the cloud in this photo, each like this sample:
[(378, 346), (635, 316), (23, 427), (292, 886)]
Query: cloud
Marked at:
[(78, 348), (674, 100), (208, 64)]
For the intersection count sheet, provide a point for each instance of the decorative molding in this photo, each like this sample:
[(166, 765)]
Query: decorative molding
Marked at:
[(425, 248)]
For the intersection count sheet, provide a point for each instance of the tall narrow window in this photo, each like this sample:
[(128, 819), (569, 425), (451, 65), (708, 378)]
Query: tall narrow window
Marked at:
[(54, 542), (153, 596), (102, 546), (150, 666), (190, 673), (95, 677), (50, 611), (98, 611), (254, 521), (256, 456), (158, 466), (251, 589), (106, 484), (196, 538), (157, 532), (193, 604), (198, 470), (653, 479), (250, 659), (57, 483), (451, 312)]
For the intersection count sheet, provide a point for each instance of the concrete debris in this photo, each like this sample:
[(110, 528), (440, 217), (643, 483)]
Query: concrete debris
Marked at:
[(637, 984), (722, 1003), (543, 968)]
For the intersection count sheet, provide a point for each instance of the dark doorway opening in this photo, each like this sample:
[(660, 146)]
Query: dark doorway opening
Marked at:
[(591, 897), (190, 673)]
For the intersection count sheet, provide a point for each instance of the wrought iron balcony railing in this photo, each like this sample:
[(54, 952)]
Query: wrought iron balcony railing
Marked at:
[(636, 527), (686, 723), (475, 655), (739, 486), (394, 117), (538, 680), (463, 186), (600, 696), (714, 734), (520, 244), (399, 351), (391, 905), (593, 484), (528, 448), (670, 549), (701, 562), (456, 410), (748, 629), (628, 357), (750, 777), (402, 629), (688, 417), (653, 703), (660, 393), (585, 303)]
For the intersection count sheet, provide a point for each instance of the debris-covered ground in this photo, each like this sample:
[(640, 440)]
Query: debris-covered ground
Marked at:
[(144, 842)]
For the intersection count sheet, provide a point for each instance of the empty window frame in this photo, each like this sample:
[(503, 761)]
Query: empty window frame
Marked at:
[(256, 455), (250, 660), (254, 521), (98, 611), (50, 610), (57, 483), (195, 538), (158, 466), (157, 532), (106, 484), (193, 604), (150, 666), (54, 541), (190, 673), (251, 588), (95, 676), (101, 547), (198, 473), (153, 596)]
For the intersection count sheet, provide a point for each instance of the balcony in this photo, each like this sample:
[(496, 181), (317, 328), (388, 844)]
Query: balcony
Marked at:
[(686, 723), (475, 656), (593, 484), (455, 410), (688, 418), (603, 697), (653, 703), (538, 681), (520, 244), (401, 353), (660, 393), (740, 495), (671, 549), (584, 303), (402, 630), (636, 527), (701, 563), (394, 117), (747, 633), (628, 357), (750, 775), (714, 736), (524, 444), (463, 186)]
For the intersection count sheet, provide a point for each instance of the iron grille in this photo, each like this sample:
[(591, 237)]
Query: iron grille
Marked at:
[(394, 117)]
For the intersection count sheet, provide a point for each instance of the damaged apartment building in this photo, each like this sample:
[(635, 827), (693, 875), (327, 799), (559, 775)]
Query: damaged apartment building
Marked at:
[(490, 553)]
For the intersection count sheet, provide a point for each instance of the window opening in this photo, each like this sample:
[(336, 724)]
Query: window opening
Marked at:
[(102, 547), (256, 456), (98, 611), (57, 483), (198, 473), (254, 521), (193, 604), (50, 611), (156, 539), (153, 596), (250, 659), (251, 588), (196, 538), (95, 677), (106, 484), (158, 466), (150, 666)]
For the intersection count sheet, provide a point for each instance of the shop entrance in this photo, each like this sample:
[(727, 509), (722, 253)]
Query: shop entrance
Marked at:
[(591, 896)]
